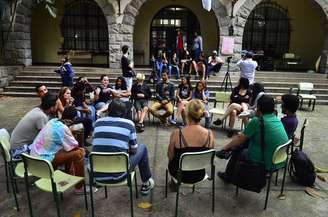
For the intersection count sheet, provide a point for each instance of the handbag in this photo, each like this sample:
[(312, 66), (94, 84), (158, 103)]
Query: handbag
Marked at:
[(249, 175)]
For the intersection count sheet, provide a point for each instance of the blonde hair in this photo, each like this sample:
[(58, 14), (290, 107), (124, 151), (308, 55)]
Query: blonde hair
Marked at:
[(140, 76), (195, 110)]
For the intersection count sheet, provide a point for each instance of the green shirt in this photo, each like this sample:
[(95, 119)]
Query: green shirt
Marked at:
[(274, 136)]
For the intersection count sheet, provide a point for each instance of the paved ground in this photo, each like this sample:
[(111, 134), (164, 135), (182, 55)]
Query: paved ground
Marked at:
[(297, 202)]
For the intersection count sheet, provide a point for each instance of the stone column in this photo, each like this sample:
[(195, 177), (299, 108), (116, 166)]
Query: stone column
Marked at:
[(323, 68)]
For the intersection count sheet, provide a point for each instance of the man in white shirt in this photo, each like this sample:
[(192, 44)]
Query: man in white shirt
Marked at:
[(247, 67)]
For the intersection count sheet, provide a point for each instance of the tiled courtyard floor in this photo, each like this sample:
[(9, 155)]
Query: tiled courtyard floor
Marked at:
[(297, 202)]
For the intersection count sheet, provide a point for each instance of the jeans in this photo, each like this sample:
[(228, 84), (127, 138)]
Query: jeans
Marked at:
[(128, 81), (99, 105), (140, 158), (176, 69)]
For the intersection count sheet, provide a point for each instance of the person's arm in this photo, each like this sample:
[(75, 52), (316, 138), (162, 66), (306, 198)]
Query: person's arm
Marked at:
[(235, 142), (125, 93), (172, 90), (69, 142), (158, 97), (41, 121), (133, 145), (190, 95), (59, 106), (170, 150), (147, 92), (97, 92), (200, 43)]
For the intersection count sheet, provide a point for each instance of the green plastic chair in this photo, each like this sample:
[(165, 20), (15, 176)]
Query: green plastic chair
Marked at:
[(111, 162), (9, 163), (51, 180), (279, 161), (223, 98), (191, 161)]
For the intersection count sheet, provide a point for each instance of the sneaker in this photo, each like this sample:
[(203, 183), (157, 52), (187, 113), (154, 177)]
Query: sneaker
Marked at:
[(172, 121), (80, 191), (218, 122), (147, 186)]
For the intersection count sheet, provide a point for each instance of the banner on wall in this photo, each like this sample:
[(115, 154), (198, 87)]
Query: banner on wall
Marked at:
[(207, 4), (228, 44)]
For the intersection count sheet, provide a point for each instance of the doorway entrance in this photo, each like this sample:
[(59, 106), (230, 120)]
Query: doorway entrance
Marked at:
[(165, 25)]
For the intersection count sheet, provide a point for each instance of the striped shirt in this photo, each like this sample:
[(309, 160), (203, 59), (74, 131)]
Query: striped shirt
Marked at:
[(113, 134)]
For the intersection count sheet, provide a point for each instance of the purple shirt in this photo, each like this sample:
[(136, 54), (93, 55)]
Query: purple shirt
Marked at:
[(290, 124)]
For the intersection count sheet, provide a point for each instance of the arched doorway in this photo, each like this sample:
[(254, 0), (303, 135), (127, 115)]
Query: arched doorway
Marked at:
[(84, 29), (165, 25), (267, 29)]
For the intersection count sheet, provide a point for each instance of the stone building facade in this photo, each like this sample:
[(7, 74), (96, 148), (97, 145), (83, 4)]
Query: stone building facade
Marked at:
[(121, 19)]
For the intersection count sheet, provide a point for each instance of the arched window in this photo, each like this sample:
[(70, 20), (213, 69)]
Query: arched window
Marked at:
[(84, 27), (267, 28)]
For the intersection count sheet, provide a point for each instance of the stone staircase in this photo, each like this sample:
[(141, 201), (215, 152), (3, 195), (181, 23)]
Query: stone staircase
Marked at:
[(276, 83)]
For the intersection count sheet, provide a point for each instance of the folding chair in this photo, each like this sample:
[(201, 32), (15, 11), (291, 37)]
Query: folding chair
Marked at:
[(115, 162), (9, 164), (51, 180), (279, 157), (220, 97), (304, 92), (191, 161)]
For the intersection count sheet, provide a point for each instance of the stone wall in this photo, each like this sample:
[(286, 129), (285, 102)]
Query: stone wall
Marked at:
[(7, 74)]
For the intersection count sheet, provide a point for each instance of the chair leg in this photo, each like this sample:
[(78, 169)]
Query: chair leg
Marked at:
[(193, 189), (106, 193), (91, 196), (166, 177), (213, 189), (131, 198), (277, 174), (136, 186), (237, 190), (177, 200), (283, 178), (268, 191), (7, 177), (85, 196), (28, 195), (309, 104), (313, 105), (301, 104), (55, 195), (11, 176)]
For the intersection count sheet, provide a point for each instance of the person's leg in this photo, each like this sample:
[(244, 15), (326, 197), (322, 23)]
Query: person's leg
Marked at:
[(232, 119), (128, 81), (168, 110), (143, 113), (170, 70), (155, 108), (177, 71), (231, 107), (92, 114), (203, 70), (140, 158), (73, 160), (87, 124)]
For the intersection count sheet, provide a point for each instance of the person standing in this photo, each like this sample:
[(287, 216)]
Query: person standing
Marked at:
[(180, 43), (66, 72), (197, 46), (247, 67), (127, 67)]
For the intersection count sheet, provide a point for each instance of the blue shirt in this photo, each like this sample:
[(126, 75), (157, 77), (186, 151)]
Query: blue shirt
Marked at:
[(113, 134)]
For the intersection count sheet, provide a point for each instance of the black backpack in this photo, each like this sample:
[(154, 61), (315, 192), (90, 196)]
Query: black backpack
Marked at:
[(301, 169)]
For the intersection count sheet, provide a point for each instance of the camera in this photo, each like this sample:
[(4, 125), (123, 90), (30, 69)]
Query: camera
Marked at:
[(229, 59)]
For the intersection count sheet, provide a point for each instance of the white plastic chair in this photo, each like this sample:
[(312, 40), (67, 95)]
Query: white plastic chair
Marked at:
[(304, 92)]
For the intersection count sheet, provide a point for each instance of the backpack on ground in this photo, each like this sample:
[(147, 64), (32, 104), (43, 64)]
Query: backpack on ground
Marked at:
[(301, 169)]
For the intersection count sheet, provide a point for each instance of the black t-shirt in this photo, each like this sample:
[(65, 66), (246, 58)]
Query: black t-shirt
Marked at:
[(126, 70), (184, 91)]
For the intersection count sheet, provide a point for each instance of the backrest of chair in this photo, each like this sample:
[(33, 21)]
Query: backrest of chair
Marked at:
[(5, 144), (305, 86), (105, 162), (190, 161), (280, 154), (37, 167), (222, 97)]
